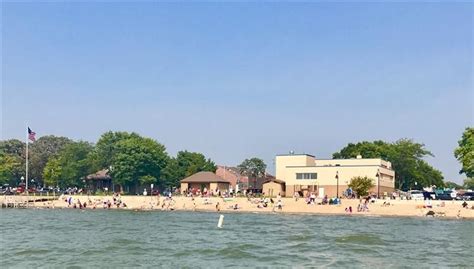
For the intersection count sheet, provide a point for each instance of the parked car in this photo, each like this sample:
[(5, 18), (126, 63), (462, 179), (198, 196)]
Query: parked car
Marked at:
[(447, 196), (468, 196), (415, 195)]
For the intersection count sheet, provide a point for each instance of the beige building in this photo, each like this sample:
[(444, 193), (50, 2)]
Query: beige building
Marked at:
[(204, 181), (304, 173), (273, 187)]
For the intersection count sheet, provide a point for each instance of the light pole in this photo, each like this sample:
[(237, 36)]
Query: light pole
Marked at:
[(378, 183), (337, 184), (113, 185)]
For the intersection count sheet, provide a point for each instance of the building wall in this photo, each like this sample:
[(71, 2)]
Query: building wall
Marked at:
[(273, 188), (221, 186), (232, 176), (282, 161), (289, 165)]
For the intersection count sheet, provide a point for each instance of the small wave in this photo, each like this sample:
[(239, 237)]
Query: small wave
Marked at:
[(365, 239), (300, 237), (32, 252)]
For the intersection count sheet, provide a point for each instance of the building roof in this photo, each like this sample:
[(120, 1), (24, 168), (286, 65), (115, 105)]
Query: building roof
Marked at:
[(99, 175), (204, 177)]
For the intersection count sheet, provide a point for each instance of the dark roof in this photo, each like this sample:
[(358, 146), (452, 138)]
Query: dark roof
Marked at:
[(274, 180), (99, 175), (204, 177)]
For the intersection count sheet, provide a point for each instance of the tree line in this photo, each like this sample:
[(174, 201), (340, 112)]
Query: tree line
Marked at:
[(130, 158)]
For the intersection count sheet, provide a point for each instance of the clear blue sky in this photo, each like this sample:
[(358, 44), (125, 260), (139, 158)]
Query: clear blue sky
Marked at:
[(238, 80)]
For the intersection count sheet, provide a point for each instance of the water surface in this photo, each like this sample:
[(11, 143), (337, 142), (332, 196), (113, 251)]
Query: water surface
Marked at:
[(90, 239)]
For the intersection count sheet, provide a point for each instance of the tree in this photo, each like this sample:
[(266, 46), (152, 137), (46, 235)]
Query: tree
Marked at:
[(70, 166), (147, 180), (465, 152), (185, 164), (107, 147), (406, 157), (253, 168), (135, 158), (9, 165), (13, 151), (13, 147), (361, 185), (52, 172), (469, 183), (452, 185), (40, 152)]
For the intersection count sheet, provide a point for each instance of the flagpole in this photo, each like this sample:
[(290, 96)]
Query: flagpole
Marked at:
[(26, 160)]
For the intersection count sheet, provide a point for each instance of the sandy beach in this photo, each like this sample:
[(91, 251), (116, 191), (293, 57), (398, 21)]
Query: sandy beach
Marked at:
[(391, 208)]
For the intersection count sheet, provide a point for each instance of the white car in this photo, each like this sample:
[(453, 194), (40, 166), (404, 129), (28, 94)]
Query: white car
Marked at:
[(415, 195)]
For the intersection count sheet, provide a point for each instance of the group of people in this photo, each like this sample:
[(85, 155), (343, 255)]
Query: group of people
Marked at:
[(311, 199), (208, 193), (93, 204)]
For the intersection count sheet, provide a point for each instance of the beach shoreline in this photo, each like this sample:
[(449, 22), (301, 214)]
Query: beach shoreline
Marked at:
[(395, 208)]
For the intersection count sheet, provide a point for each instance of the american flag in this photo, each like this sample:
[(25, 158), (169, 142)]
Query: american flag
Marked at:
[(31, 135)]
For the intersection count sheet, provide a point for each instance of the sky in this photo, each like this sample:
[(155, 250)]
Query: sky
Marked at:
[(238, 80)]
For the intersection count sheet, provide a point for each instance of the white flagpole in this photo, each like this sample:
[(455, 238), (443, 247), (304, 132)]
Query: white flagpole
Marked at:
[(26, 160)]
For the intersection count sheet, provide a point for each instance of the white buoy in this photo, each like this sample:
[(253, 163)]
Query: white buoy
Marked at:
[(221, 221)]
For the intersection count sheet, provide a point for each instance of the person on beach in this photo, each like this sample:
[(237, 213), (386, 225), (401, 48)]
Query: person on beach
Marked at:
[(296, 195), (464, 204), (218, 207), (325, 200)]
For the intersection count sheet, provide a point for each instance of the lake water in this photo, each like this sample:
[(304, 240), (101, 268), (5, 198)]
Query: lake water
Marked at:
[(92, 239)]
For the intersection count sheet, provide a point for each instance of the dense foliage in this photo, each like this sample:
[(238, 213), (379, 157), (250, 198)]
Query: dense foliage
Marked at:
[(185, 164), (465, 152), (406, 156), (469, 183), (361, 185), (252, 168), (130, 158)]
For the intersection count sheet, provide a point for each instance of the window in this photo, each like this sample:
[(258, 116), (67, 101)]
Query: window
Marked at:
[(306, 175)]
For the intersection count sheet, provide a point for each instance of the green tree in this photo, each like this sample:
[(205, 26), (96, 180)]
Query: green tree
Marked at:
[(52, 172), (9, 165), (465, 152), (185, 164), (469, 183), (452, 185), (136, 157), (253, 168), (106, 148), (13, 147), (75, 163), (406, 156), (40, 152), (147, 180), (70, 166), (14, 159), (361, 185)]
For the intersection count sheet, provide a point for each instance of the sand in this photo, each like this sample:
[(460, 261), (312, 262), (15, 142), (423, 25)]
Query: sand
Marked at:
[(396, 208)]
